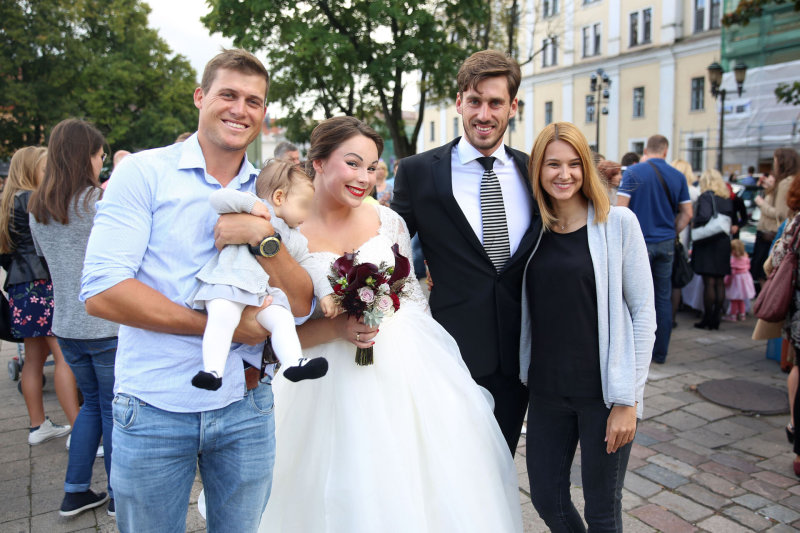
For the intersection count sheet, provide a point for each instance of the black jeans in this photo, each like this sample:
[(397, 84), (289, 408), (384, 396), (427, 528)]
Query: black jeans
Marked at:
[(555, 425)]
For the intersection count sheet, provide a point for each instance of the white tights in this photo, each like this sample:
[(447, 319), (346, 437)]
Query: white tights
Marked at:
[(224, 316)]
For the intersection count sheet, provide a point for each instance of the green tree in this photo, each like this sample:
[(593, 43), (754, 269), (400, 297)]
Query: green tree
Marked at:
[(355, 57), (93, 59)]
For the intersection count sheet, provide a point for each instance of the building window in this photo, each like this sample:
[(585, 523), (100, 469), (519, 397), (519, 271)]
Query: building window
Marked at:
[(550, 52), (714, 16), (698, 94), (550, 7), (699, 15), (637, 147), (455, 127), (696, 154), (634, 29), (548, 113), (641, 27), (589, 109), (638, 101), (596, 35), (433, 131), (591, 40)]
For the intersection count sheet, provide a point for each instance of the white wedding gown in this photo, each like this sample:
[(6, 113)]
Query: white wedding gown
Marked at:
[(406, 445)]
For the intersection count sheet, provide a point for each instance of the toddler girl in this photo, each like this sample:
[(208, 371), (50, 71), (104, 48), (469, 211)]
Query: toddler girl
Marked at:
[(739, 283), (234, 279)]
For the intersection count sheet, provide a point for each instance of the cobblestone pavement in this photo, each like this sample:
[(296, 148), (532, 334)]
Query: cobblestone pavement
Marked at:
[(695, 466)]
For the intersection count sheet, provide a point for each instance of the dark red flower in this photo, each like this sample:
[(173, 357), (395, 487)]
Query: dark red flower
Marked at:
[(357, 277), (395, 301), (344, 264), (402, 267)]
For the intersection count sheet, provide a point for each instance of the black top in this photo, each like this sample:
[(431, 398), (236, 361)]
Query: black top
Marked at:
[(23, 264), (565, 353)]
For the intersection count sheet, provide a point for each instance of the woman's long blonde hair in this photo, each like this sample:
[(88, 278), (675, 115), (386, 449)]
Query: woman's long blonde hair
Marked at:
[(711, 180), (22, 176), (685, 168), (593, 187)]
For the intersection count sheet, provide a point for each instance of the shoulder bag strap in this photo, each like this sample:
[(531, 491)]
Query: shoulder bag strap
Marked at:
[(664, 185)]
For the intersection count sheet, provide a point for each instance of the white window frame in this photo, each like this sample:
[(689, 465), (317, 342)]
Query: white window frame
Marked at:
[(631, 142), (633, 100), (640, 33), (705, 23), (550, 8), (691, 94), (591, 39)]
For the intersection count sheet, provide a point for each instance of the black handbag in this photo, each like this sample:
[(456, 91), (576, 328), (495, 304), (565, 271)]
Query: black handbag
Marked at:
[(682, 272), (5, 320)]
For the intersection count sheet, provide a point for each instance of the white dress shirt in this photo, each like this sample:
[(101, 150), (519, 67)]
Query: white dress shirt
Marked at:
[(467, 173)]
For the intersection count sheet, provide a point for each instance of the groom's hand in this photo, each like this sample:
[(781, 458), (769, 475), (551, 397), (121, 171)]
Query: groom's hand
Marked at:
[(620, 427)]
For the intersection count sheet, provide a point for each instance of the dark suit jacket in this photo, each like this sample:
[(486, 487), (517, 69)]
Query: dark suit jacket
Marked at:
[(479, 307)]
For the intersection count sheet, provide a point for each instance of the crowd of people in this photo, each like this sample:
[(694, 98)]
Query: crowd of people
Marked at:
[(164, 296)]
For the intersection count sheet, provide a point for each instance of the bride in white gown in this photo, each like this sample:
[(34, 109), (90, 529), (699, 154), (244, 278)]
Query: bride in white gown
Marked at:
[(408, 444)]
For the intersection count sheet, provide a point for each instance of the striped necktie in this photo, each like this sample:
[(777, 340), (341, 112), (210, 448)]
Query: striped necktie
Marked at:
[(493, 216)]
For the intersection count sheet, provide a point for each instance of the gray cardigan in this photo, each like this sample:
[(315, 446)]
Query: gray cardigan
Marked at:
[(626, 316)]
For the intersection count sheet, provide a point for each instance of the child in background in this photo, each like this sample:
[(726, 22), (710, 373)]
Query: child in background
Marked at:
[(234, 279), (739, 283)]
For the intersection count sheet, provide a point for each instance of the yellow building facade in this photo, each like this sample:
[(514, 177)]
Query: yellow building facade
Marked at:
[(655, 55)]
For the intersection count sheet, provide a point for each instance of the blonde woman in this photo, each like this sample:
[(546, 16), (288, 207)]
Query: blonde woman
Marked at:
[(587, 334), (30, 295), (685, 168), (711, 255)]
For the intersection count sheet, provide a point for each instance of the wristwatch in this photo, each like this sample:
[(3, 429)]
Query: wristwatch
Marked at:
[(269, 247)]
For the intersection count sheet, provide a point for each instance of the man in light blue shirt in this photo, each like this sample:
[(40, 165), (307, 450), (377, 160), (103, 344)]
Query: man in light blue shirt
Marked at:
[(153, 232)]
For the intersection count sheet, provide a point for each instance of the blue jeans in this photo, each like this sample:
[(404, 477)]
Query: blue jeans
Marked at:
[(92, 363), (661, 255), (157, 452), (555, 425)]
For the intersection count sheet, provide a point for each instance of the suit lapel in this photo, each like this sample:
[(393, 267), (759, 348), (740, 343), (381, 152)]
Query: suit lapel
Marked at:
[(443, 182), (533, 228)]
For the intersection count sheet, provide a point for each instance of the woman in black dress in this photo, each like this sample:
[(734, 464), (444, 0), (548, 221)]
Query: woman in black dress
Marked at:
[(711, 256)]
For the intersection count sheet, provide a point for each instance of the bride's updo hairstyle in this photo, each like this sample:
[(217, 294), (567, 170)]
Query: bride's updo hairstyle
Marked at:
[(331, 133)]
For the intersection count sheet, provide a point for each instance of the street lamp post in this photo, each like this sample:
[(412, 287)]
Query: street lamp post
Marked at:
[(600, 82), (715, 79)]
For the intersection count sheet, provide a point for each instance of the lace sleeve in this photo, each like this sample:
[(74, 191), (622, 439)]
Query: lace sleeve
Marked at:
[(784, 244), (393, 226)]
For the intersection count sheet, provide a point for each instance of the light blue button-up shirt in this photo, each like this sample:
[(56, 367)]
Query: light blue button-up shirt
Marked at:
[(155, 224)]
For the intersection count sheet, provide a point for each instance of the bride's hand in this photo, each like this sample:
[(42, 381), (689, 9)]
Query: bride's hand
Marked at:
[(355, 331)]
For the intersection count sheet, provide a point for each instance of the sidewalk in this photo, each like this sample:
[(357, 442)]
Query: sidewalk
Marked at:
[(695, 466)]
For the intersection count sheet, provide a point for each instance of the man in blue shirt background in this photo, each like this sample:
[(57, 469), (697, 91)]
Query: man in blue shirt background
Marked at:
[(153, 232), (661, 218)]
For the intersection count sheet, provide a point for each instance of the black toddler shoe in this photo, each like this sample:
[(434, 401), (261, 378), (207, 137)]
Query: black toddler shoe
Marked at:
[(207, 380), (307, 369)]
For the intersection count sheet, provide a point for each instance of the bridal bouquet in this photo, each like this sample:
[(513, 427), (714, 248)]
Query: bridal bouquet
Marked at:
[(368, 291)]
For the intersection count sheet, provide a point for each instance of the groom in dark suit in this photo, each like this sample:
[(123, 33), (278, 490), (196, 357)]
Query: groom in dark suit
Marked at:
[(470, 202)]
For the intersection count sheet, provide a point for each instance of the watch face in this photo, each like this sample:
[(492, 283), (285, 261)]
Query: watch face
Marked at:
[(270, 246)]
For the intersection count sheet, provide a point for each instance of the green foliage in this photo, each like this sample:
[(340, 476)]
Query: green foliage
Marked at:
[(788, 94), (354, 56), (750, 9), (94, 59)]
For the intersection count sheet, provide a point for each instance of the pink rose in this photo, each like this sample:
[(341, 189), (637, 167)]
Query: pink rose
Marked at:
[(366, 295), (385, 303)]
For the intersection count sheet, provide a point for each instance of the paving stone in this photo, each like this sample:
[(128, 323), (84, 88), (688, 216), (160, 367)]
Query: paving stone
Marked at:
[(718, 484), (693, 447), (680, 420), (735, 462), (792, 502), (16, 526), (662, 476), (661, 519), (640, 486), (15, 508), (706, 437), (708, 411), (680, 453), (53, 522), (747, 517), (683, 507), (752, 501), (657, 431), (634, 525), (766, 490), (780, 513), (719, 524), (760, 447), (672, 464), (775, 479), (781, 528), (731, 429), (781, 464), (643, 440), (634, 463), (631, 500), (728, 473), (702, 495), (640, 451)]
